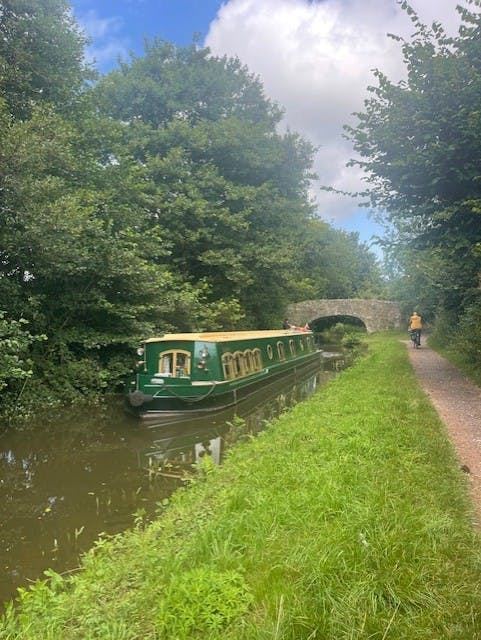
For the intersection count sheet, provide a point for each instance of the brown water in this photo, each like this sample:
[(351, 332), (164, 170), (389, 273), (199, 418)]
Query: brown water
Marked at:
[(67, 479)]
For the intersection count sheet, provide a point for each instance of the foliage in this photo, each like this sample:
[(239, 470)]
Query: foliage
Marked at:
[(334, 264), (73, 262), (459, 337), (348, 516), (41, 55), (202, 601), (226, 186), (419, 144), (15, 343), (348, 335), (419, 137)]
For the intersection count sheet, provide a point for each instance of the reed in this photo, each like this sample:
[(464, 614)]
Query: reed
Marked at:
[(348, 518)]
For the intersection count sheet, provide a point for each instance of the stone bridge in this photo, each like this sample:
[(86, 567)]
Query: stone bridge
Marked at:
[(377, 315)]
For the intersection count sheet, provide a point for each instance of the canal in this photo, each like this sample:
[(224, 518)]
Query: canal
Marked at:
[(81, 474)]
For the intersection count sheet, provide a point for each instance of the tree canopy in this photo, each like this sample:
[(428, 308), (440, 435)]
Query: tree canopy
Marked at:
[(41, 55), (419, 141)]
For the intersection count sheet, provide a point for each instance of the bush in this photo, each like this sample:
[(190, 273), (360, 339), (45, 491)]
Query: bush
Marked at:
[(15, 344), (466, 336), (444, 328)]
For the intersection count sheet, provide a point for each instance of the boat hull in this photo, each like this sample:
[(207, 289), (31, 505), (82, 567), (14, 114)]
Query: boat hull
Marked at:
[(176, 401)]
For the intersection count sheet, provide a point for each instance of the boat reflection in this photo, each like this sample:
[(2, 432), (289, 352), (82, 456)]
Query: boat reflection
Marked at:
[(177, 447)]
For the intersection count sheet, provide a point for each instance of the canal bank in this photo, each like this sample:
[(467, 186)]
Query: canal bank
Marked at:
[(66, 478), (347, 518)]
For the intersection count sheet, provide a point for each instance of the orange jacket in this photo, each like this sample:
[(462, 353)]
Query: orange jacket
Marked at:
[(415, 322)]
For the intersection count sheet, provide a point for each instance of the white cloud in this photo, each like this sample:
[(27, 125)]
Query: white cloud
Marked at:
[(316, 59)]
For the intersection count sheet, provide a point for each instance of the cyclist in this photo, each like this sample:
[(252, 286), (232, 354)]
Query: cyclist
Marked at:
[(414, 328)]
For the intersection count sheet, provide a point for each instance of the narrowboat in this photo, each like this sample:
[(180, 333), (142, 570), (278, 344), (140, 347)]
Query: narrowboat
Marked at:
[(192, 373)]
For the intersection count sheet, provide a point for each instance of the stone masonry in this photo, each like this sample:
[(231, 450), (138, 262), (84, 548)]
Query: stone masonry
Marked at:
[(377, 315)]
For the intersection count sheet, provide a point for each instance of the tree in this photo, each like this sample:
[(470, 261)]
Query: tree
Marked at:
[(80, 260), (172, 83), (41, 55), (420, 145), (225, 185)]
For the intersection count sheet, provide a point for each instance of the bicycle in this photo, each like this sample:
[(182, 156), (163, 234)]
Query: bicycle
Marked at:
[(415, 335)]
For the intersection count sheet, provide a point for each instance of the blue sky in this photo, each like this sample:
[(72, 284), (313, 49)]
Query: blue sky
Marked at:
[(314, 57), (119, 26)]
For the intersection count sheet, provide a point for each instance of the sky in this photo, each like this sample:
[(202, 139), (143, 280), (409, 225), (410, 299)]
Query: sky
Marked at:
[(315, 59)]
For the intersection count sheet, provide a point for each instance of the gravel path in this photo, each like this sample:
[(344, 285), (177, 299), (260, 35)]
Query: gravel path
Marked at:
[(458, 402)]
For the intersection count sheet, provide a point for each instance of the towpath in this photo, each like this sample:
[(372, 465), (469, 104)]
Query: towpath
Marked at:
[(458, 402)]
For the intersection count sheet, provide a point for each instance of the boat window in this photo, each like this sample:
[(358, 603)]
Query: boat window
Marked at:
[(165, 364), (281, 351), (239, 364), (301, 344), (182, 364), (270, 352), (257, 359), (249, 361), (228, 366), (310, 342), (292, 347), (174, 363)]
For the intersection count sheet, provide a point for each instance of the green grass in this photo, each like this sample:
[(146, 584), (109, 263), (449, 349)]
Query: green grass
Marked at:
[(348, 518), (468, 366)]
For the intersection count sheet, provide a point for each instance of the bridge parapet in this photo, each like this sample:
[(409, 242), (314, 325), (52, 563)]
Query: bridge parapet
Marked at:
[(377, 315)]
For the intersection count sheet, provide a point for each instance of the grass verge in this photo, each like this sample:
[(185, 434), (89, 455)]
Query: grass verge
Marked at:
[(348, 518), (458, 359)]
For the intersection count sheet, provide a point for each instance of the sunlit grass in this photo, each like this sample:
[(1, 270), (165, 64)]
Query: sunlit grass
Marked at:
[(348, 518)]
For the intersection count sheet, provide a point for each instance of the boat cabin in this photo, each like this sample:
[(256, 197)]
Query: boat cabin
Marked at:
[(211, 370), (221, 356)]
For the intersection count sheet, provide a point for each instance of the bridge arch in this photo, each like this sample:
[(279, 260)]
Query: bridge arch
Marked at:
[(377, 315)]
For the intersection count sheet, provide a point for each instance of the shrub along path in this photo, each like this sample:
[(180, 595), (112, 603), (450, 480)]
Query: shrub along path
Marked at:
[(458, 402), (348, 518)]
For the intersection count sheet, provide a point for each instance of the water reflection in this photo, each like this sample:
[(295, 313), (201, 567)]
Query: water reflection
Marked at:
[(66, 480)]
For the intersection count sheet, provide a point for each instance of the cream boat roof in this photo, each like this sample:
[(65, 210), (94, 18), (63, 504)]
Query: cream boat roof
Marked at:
[(225, 336)]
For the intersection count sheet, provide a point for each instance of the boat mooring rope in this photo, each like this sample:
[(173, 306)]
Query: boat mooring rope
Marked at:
[(192, 400)]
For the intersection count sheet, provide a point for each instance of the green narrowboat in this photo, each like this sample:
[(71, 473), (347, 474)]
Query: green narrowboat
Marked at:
[(192, 373)]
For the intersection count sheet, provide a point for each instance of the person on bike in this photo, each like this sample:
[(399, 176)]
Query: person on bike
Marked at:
[(415, 327)]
